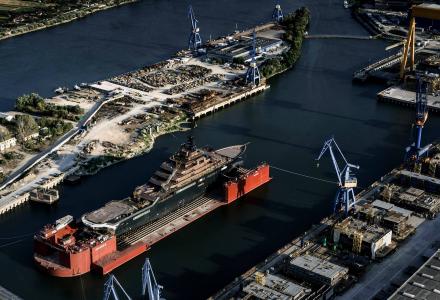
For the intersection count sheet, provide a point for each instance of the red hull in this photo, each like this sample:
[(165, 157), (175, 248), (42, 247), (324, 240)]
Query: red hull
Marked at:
[(246, 183)]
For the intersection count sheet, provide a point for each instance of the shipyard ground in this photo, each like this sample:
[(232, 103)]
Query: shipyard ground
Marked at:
[(380, 277), (124, 114), (366, 255)]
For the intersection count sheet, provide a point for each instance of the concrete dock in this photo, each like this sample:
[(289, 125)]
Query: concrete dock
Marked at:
[(407, 98)]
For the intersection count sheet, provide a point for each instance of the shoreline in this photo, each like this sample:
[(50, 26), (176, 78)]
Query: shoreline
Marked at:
[(71, 16)]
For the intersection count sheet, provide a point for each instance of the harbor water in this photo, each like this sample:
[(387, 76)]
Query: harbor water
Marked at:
[(285, 126)]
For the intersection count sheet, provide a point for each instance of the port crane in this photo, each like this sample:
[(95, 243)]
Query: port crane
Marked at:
[(110, 289), (346, 181), (277, 14), (149, 283), (414, 151), (253, 73), (424, 10), (195, 41)]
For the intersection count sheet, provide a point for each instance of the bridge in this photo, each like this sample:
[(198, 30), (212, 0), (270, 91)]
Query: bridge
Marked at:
[(341, 36)]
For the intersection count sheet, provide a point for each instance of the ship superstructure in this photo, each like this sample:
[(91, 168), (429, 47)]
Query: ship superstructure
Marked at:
[(182, 178)]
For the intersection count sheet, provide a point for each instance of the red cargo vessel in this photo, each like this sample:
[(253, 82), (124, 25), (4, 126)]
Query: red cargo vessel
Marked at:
[(68, 248)]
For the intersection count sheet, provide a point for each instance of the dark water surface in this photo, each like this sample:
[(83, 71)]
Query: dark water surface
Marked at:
[(285, 126)]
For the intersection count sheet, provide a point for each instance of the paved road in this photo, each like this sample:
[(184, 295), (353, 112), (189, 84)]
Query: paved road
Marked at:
[(381, 275), (61, 141)]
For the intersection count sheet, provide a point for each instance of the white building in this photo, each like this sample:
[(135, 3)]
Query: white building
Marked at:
[(7, 144)]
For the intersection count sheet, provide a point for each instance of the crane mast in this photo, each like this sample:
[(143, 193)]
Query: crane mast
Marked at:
[(195, 41), (415, 150), (253, 73), (110, 289), (277, 14), (149, 283), (346, 181)]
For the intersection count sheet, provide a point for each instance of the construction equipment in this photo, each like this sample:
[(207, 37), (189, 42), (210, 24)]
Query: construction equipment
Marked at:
[(195, 41), (253, 73), (149, 282), (414, 151), (428, 11), (346, 181), (110, 289), (277, 14)]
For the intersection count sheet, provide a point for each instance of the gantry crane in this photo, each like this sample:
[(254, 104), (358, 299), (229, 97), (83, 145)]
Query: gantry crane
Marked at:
[(425, 10), (414, 151), (149, 283), (347, 182), (277, 14), (110, 289), (195, 41), (253, 73)]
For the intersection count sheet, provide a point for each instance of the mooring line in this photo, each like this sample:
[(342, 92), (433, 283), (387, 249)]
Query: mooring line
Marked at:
[(303, 175)]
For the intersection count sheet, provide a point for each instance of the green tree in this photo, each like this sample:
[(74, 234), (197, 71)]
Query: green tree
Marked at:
[(25, 125)]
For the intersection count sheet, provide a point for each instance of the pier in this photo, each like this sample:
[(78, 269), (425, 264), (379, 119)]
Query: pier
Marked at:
[(232, 100), (407, 98)]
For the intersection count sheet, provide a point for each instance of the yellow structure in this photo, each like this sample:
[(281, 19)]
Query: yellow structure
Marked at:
[(428, 11), (357, 242)]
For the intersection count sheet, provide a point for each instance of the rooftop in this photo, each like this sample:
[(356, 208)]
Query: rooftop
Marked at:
[(423, 284), (318, 266)]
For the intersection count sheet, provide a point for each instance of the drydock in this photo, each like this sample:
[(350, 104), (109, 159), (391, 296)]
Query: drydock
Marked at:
[(329, 259)]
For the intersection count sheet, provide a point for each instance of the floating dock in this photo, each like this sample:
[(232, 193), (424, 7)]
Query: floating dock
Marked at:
[(57, 252)]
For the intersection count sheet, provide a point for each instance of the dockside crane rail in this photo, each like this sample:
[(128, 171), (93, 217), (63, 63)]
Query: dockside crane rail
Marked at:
[(110, 289), (149, 283), (195, 41), (253, 73), (347, 182), (277, 14)]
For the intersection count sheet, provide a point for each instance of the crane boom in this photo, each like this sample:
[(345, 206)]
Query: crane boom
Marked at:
[(345, 195)]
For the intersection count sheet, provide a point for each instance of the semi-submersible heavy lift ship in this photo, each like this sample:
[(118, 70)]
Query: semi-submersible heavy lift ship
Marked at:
[(176, 195)]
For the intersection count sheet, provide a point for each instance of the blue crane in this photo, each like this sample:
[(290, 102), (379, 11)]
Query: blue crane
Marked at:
[(253, 73), (414, 151), (110, 289), (277, 14), (195, 41), (346, 181), (149, 283)]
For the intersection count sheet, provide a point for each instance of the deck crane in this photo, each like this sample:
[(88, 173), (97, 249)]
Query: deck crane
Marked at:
[(414, 151), (277, 14), (253, 73), (149, 283), (195, 41), (110, 289), (346, 181)]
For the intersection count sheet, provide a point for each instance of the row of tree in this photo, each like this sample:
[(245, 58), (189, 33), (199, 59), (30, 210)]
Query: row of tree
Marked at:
[(35, 104), (295, 26)]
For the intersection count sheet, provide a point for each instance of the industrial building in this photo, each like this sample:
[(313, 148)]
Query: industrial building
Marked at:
[(389, 216), (423, 284), (268, 286), (317, 270), (241, 49), (363, 238), (414, 197)]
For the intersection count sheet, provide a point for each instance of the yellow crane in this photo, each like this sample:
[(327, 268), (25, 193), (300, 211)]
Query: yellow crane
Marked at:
[(425, 10)]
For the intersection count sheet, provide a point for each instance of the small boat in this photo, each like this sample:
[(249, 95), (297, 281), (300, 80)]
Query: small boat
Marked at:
[(59, 90)]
